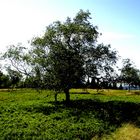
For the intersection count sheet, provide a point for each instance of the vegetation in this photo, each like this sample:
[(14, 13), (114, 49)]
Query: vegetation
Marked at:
[(27, 114), (129, 74), (125, 132), (65, 56), (68, 57)]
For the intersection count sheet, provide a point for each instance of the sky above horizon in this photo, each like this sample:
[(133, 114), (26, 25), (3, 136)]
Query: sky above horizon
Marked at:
[(117, 20)]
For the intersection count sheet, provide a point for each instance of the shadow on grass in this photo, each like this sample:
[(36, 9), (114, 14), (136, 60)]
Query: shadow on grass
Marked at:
[(99, 93), (110, 115), (115, 112), (83, 92)]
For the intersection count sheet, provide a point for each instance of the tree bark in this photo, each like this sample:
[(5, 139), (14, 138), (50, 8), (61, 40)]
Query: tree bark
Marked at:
[(67, 95), (55, 96), (129, 88)]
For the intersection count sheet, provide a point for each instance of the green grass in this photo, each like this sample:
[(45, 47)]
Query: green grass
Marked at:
[(27, 114), (126, 132)]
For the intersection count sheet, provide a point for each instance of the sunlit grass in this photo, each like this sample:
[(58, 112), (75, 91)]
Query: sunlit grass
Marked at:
[(125, 132), (105, 92)]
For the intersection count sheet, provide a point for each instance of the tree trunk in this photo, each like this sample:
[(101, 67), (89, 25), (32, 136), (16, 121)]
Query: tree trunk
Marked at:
[(129, 88), (67, 95), (55, 97)]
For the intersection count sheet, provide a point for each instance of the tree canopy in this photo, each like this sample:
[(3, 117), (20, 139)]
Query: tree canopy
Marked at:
[(129, 73), (66, 55)]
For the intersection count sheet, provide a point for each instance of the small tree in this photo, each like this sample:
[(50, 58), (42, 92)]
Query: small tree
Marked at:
[(129, 74), (15, 77), (4, 80), (18, 58)]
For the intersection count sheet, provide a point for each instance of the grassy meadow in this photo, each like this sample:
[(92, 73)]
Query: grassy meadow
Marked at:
[(107, 115)]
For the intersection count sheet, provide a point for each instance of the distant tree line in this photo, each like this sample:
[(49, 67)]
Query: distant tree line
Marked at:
[(10, 80)]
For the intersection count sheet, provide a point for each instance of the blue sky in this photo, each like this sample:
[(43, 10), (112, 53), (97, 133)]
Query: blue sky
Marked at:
[(117, 20)]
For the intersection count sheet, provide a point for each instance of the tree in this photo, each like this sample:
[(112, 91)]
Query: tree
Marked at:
[(15, 77), (66, 55), (100, 65), (64, 45), (17, 57), (4, 80), (72, 53), (129, 74), (19, 62)]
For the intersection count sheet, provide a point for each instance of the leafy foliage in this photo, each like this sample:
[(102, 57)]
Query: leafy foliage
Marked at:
[(5, 81), (130, 74), (72, 54), (65, 56), (17, 57)]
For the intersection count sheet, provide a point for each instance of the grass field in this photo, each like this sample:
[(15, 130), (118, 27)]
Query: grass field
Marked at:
[(108, 115)]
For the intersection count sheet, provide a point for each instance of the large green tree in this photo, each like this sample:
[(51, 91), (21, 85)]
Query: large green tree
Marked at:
[(64, 49), (66, 55), (71, 53)]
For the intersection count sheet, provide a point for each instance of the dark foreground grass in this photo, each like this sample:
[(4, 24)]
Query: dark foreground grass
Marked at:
[(26, 114)]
